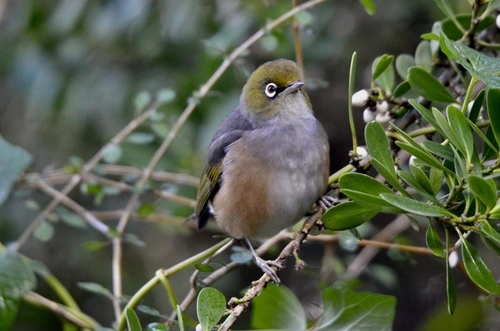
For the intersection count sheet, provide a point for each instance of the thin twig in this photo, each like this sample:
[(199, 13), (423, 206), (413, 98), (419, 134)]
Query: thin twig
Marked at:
[(71, 204), (78, 318), (297, 44), (240, 305), (75, 180)]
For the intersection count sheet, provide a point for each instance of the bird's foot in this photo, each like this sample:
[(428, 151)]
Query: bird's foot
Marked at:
[(267, 266), (326, 202)]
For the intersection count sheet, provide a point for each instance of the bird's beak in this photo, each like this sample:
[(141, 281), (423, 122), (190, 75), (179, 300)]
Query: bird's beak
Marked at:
[(293, 87)]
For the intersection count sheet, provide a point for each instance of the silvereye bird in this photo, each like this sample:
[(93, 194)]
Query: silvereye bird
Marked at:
[(268, 161)]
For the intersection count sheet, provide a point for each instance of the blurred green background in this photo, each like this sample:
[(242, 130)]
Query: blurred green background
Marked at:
[(70, 72)]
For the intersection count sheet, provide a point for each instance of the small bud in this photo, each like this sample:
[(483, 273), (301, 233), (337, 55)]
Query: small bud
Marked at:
[(453, 259), (498, 21), (382, 106), (383, 118), (360, 98), (412, 160), (368, 115), (363, 156), (469, 107)]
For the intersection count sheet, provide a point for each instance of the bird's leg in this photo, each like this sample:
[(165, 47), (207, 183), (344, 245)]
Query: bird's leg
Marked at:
[(266, 266)]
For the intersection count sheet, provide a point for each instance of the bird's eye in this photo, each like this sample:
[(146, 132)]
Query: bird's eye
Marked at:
[(271, 90)]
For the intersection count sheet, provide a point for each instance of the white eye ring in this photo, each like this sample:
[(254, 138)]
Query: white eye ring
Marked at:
[(271, 90)]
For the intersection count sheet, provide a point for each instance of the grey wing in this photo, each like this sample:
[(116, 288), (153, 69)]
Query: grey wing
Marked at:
[(228, 132)]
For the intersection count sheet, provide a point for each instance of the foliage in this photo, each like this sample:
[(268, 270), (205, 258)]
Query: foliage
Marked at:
[(432, 154)]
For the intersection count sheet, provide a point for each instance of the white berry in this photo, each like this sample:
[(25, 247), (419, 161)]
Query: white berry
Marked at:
[(360, 98), (368, 115), (382, 106)]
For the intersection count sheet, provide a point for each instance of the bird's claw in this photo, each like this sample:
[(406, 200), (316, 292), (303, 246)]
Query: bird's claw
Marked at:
[(326, 202), (267, 267)]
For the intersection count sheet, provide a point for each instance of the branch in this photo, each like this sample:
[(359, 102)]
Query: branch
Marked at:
[(240, 305)]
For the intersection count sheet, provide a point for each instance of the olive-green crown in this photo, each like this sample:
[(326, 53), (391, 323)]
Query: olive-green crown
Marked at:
[(281, 72)]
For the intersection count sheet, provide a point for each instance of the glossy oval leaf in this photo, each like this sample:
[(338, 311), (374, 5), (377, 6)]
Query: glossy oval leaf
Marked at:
[(459, 124), (13, 161), (401, 89), (416, 207), (349, 310), (378, 146), (493, 102), (347, 215), (277, 308), (484, 189), (403, 63), (477, 270), (210, 307), (365, 191), (423, 56), (381, 64), (433, 241), (489, 232), (426, 85), (16, 278)]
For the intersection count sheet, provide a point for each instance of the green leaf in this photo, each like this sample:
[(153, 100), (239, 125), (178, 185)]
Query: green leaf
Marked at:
[(451, 293), (419, 152), (381, 64), (383, 72), (304, 17), (142, 100), (476, 106), (423, 56), (484, 189), (401, 89), (410, 180), (369, 6), (140, 138), (133, 323), (380, 153), (157, 327), (365, 191), (416, 207), (449, 133), (16, 279), (481, 66), (44, 232), (433, 241), (422, 179), (345, 309), (426, 85), (210, 306), (477, 270), (269, 42), (146, 209), (437, 149), (481, 135), (203, 267), (451, 31), (112, 153), (13, 161), (426, 114), (160, 129), (436, 177), (95, 288), (149, 310), (489, 232), (446, 9), (71, 219), (165, 95), (459, 124), (403, 63), (277, 308), (347, 215), (493, 102)]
